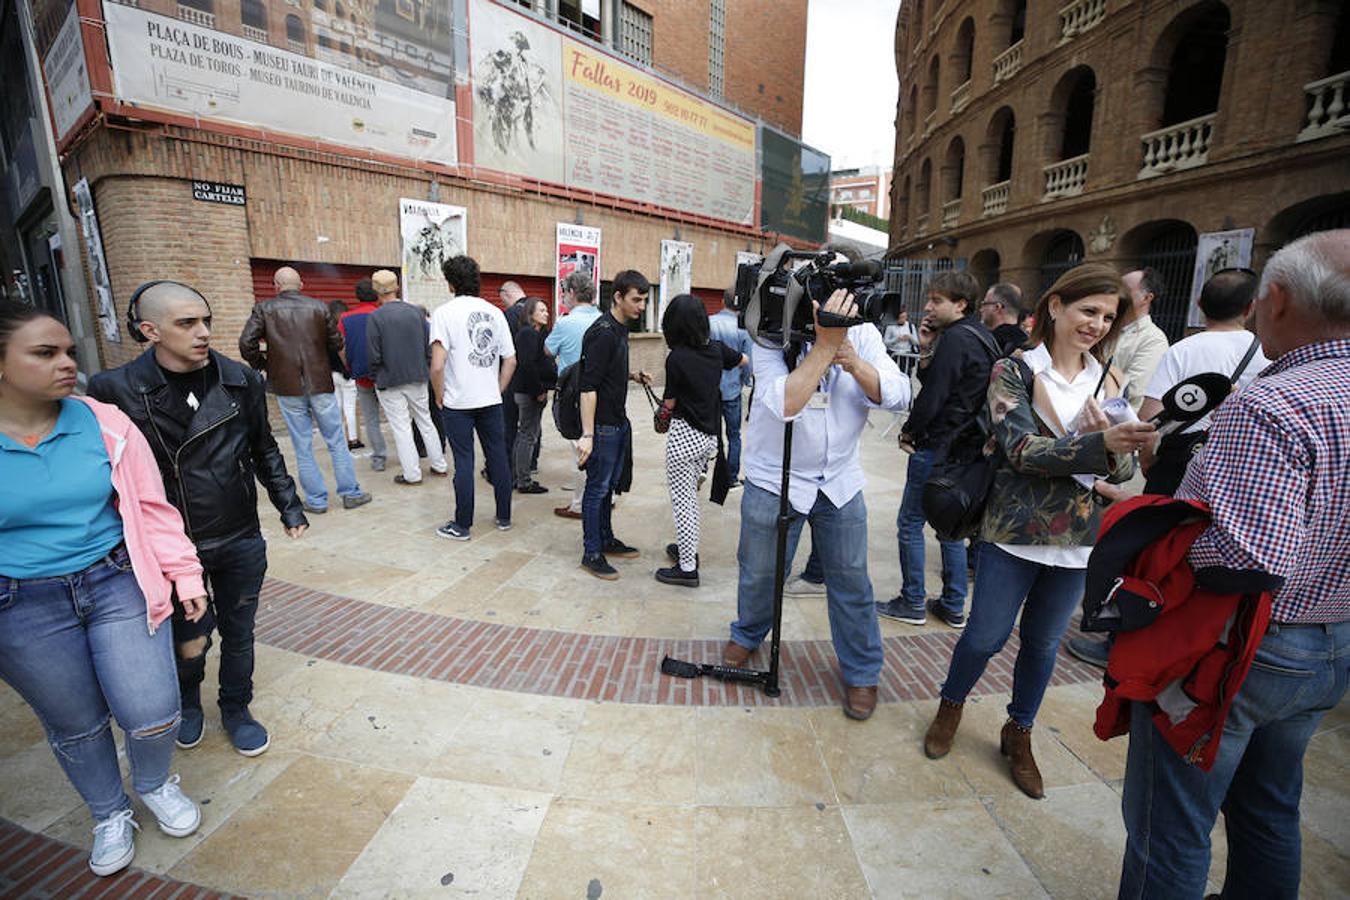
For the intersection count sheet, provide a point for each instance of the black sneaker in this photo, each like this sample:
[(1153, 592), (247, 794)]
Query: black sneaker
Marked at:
[(952, 620), (618, 548), (677, 576), (900, 611), (673, 554), (1090, 651), (599, 567), (533, 487)]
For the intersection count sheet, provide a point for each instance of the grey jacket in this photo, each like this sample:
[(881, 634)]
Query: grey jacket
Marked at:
[(397, 345)]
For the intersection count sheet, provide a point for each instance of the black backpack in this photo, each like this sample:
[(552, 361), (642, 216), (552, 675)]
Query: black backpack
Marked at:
[(567, 396), (956, 492)]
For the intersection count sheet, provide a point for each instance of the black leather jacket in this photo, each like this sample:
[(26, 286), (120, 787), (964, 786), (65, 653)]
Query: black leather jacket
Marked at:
[(208, 467)]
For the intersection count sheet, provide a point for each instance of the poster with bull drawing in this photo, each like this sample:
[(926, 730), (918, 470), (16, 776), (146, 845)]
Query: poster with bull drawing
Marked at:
[(430, 234)]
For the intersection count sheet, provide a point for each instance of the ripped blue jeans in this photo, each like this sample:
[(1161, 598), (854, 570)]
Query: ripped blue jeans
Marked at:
[(77, 648)]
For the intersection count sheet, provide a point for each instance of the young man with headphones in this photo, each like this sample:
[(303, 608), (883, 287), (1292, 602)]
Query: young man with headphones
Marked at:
[(205, 417)]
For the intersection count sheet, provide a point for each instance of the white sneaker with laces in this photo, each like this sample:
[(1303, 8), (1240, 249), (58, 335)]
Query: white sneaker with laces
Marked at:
[(177, 815), (114, 843)]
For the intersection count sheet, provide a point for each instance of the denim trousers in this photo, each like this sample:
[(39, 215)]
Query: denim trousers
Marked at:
[(77, 648), (731, 418), (609, 450), (460, 426), (526, 448), (909, 524), (301, 414), (234, 576), (1170, 806), (839, 536), (1005, 584)]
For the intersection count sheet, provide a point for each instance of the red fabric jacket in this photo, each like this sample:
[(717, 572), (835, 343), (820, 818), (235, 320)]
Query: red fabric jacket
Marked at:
[(1184, 638)]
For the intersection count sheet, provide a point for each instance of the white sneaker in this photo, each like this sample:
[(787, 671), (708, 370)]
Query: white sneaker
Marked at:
[(114, 843), (797, 586), (177, 815)]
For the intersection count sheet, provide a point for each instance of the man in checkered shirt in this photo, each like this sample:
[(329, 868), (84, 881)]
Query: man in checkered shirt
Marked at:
[(1276, 475)]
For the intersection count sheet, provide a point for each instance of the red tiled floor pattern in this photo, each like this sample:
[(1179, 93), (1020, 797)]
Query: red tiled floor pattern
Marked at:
[(36, 867), (595, 667)]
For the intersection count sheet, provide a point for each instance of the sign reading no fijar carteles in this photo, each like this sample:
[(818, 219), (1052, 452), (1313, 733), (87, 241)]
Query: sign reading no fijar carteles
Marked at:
[(216, 192)]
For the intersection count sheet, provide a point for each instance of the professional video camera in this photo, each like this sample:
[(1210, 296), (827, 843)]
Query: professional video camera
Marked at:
[(773, 298)]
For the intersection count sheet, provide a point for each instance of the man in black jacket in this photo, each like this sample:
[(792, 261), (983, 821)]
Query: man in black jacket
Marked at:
[(954, 385), (205, 417)]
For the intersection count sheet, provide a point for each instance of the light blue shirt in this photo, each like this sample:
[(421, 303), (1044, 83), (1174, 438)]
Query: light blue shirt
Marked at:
[(56, 499), (724, 328), (824, 441), (564, 341)]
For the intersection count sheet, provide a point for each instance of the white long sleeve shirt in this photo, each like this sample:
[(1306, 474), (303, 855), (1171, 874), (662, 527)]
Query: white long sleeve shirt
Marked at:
[(824, 440)]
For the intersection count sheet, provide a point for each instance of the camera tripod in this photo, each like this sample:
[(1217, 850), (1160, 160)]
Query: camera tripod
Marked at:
[(768, 679)]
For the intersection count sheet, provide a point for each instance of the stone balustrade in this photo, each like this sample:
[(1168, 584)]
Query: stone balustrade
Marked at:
[(951, 213), (961, 96), (1008, 62), (1328, 107), (253, 33), (1079, 16), (1067, 178), (1176, 147), (194, 16), (996, 198), (921, 225)]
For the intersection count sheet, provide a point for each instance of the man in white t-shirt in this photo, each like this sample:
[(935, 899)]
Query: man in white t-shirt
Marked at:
[(473, 358), (1226, 303)]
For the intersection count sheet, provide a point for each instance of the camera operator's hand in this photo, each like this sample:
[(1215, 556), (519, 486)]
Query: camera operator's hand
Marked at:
[(846, 356), (840, 303)]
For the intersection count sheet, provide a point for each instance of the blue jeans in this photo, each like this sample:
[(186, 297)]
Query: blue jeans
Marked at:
[(460, 425), (731, 418), (1170, 806), (609, 450), (1046, 596), (839, 535), (76, 647), (813, 572), (909, 524), (301, 414), (234, 576)]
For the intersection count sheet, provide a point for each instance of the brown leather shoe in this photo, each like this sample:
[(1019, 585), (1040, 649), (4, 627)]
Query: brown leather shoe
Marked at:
[(937, 743), (860, 702), (1015, 743), (565, 512), (736, 656)]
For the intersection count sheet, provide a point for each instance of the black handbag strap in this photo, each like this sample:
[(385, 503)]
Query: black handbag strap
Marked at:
[(1246, 360)]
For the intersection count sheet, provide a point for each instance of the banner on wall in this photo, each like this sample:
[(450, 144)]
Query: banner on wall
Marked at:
[(677, 275), (64, 71), (554, 109), (1215, 251), (795, 198), (429, 234), (98, 264), (578, 250), (364, 77)]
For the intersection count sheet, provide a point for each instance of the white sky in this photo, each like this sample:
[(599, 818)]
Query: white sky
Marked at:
[(848, 107)]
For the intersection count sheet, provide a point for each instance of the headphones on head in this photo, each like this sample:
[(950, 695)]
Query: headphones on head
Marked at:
[(134, 307)]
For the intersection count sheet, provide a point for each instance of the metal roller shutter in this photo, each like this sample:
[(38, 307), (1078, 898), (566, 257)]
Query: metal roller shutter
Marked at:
[(323, 281)]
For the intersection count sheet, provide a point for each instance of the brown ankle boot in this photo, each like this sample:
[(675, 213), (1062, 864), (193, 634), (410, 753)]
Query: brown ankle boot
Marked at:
[(937, 743), (1015, 743)]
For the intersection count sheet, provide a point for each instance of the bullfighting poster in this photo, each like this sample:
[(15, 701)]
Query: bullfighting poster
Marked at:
[(1215, 251), (430, 233), (578, 250), (677, 276)]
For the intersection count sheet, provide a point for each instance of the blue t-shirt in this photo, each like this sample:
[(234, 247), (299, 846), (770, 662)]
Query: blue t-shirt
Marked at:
[(564, 341), (56, 499), (723, 327)]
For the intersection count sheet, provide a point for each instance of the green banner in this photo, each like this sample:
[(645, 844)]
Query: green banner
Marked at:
[(796, 187)]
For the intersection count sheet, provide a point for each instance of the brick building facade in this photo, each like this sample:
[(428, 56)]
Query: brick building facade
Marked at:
[(866, 189), (336, 214), (1031, 136)]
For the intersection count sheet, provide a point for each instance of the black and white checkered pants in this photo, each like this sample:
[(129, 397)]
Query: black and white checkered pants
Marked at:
[(688, 452)]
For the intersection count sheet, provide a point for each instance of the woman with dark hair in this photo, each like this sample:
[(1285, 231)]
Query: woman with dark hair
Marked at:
[(93, 558), (536, 373), (343, 386), (1041, 519), (693, 393)]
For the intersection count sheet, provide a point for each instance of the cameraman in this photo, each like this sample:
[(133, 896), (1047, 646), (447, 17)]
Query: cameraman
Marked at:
[(837, 380)]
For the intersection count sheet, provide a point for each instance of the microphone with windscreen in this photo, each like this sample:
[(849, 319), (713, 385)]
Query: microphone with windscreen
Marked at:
[(1190, 400)]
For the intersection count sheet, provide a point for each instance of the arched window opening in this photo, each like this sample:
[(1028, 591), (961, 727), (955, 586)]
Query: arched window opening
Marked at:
[(1195, 73), (1062, 253), (1077, 138)]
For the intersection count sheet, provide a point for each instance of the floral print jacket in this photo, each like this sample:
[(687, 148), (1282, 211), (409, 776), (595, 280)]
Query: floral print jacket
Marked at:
[(1034, 499)]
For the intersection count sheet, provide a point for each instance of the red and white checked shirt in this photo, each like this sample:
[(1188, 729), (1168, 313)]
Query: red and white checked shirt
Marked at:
[(1276, 475)]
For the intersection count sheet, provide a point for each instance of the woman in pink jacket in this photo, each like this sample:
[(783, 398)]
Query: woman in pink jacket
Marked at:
[(91, 555)]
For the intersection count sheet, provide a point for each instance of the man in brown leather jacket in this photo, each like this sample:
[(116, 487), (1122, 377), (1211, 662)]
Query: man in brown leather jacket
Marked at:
[(299, 332)]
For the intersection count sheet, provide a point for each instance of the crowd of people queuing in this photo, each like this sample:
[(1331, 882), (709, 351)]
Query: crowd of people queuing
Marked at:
[(137, 504)]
